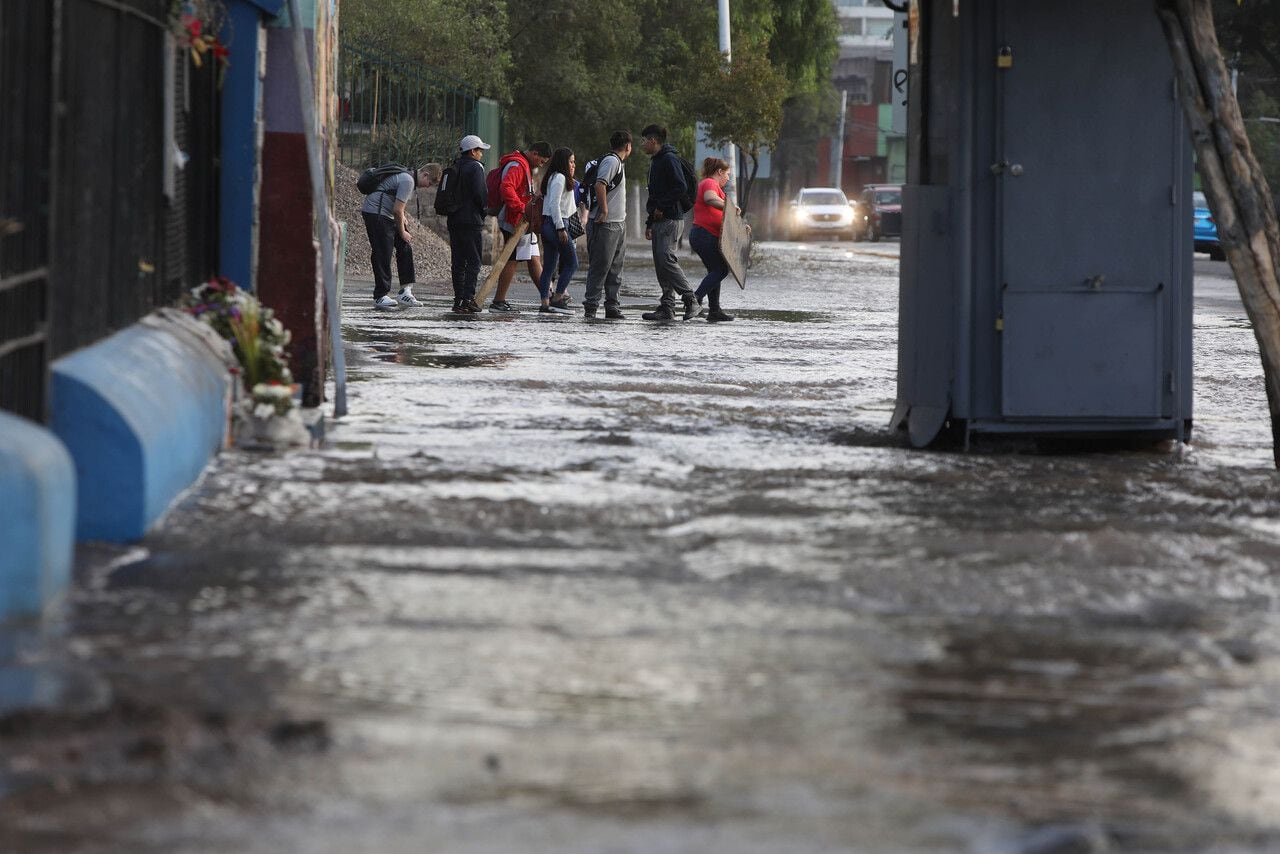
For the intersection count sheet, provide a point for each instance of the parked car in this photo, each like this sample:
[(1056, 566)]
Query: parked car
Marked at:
[(823, 210), (885, 202), (1206, 230)]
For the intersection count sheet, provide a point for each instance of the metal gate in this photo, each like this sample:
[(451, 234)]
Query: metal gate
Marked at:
[(392, 111), (27, 75)]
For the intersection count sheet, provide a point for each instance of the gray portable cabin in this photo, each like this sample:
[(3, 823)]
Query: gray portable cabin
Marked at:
[(1046, 247)]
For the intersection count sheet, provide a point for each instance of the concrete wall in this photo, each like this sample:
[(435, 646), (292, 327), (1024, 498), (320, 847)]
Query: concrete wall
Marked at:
[(288, 254), (37, 516), (141, 414)]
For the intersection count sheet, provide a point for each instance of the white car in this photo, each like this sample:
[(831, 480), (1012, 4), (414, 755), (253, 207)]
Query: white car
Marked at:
[(819, 211)]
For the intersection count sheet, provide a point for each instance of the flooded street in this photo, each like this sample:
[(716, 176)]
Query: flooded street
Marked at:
[(559, 585)]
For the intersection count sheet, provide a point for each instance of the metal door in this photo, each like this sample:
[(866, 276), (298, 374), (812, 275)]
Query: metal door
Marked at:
[(1087, 193)]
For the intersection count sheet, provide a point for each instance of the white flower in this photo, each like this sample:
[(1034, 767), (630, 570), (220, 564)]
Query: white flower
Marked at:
[(264, 410)]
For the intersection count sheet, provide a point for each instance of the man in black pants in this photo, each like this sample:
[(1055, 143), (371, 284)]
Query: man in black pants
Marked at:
[(388, 229), (466, 224)]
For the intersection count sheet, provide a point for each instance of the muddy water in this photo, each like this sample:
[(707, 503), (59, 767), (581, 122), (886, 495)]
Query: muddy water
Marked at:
[(560, 585)]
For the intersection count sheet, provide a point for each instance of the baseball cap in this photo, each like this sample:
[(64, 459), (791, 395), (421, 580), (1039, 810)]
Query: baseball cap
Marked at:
[(471, 142)]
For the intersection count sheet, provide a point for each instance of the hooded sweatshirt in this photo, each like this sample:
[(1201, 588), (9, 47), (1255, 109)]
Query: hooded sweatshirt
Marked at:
[(666, 184)]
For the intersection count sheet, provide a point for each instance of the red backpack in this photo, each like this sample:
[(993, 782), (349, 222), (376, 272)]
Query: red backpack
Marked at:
[(493, 188)]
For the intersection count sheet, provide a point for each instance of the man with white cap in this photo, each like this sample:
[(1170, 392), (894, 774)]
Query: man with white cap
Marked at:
[(466, 222)]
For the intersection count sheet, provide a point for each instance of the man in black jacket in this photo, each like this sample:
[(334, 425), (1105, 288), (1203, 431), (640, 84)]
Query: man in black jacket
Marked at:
[(466, 224), (666, 187)]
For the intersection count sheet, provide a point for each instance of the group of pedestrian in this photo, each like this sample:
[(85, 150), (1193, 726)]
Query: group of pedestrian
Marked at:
[(554, 210)]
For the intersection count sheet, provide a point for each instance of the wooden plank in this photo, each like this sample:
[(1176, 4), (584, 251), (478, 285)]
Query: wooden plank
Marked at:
[(735, 244), (508, 249)]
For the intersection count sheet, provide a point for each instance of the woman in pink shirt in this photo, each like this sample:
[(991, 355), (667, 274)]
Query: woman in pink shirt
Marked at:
[(708, 218)]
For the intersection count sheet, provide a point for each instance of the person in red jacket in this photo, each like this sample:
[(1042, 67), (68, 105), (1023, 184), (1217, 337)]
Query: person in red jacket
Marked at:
[(517, 190)]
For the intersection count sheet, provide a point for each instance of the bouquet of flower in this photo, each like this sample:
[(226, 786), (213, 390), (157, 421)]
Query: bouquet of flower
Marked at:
[(196, 24), (271, 399), (258, 338)]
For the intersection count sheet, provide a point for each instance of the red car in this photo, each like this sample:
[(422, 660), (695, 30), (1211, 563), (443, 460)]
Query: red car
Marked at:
[(885, 201)]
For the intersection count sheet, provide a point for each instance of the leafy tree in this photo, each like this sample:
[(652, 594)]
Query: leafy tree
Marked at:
[(801, 37), (468, 43), (1249, 34), (585, 70), (741, 103)]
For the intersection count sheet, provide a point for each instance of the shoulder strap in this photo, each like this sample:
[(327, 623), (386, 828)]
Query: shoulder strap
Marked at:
[(617, 179)]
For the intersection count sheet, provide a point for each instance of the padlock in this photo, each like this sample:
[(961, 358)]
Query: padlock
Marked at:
[(1005, 57)]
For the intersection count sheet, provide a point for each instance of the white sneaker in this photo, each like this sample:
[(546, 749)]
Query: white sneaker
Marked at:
[(384, 302), (407, 298)]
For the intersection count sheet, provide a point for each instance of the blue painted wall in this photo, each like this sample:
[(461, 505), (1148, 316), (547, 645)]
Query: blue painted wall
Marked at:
[(37, 517), (241, 101), (141, 413)]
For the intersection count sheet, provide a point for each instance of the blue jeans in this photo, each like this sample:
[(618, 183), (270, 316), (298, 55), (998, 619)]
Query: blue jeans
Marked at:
[(554, 253), (707, 245)]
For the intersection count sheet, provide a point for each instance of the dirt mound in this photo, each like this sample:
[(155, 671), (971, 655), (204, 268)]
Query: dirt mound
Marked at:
[(430, 250)]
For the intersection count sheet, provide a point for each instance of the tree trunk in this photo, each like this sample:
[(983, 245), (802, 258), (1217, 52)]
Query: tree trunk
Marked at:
[(1233, 182)]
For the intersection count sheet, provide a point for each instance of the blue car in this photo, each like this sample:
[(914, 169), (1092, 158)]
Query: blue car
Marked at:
[(1206, 230)]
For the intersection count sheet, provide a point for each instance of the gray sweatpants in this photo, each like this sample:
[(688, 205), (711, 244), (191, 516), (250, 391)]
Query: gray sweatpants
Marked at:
[(606, 251), (670, 277)]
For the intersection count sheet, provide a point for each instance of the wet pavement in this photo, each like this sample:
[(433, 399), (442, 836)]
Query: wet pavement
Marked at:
[(582, 586)]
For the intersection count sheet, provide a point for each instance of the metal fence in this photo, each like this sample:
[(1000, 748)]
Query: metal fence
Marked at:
[(26, 148), (90, 241), (391, 111)]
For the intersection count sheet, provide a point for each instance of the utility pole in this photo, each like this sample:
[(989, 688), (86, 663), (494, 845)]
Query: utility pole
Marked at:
[(837, 145), (731, 150)]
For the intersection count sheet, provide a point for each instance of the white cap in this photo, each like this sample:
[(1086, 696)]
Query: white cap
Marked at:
[(471, 142)]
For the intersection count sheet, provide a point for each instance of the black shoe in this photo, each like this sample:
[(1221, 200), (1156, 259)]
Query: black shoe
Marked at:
[(718, 316), (469, 306), (588, 311), (690, 307), (457, 306), (662, 313), (613, 314), (561, 300)]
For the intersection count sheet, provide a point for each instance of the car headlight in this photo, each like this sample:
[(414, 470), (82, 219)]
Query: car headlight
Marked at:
[(846, 217), (800, 214)]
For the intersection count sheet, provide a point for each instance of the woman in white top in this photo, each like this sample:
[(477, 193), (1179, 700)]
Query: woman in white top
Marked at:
[(558, 248)]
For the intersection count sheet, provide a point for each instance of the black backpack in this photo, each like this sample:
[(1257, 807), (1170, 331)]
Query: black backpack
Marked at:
[(685, 202), (448, 197), (589, 179), (372, 178)]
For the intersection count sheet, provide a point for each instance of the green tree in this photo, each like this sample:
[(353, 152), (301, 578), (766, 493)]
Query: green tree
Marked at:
[(470, 46), (583, 71), (741, 103), (801, 37)]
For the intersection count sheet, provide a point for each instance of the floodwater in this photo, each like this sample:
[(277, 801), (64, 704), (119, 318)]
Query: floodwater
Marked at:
[(558, 585)]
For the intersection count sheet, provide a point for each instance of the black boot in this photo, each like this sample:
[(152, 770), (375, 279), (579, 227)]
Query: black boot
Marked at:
[(662, 313)]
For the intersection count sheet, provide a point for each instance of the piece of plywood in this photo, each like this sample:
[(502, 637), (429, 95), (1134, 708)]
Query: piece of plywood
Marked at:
[(508, 249), (735, 244)]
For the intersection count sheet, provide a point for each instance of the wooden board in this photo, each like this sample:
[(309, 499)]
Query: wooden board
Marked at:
[(508, 249), (735, 244)]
